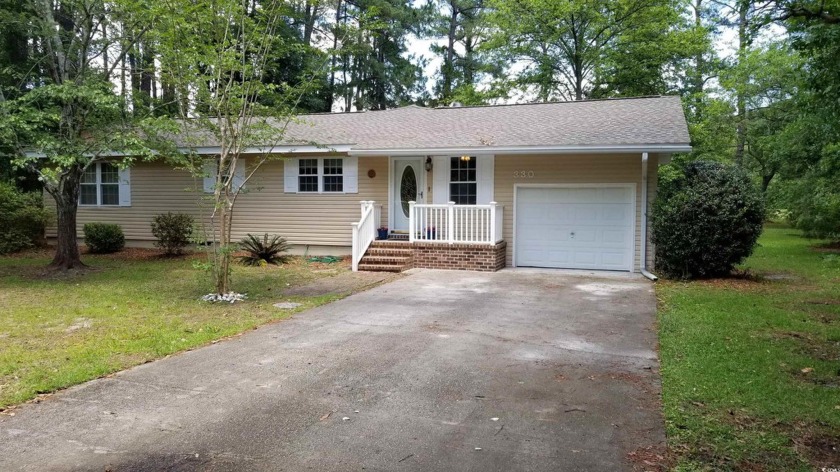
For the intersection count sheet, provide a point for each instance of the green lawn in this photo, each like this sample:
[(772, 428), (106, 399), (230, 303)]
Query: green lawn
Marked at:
[(751, 366), (57, 331)]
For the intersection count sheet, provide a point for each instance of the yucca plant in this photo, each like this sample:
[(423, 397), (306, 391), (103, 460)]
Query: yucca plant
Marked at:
[(265, 250)]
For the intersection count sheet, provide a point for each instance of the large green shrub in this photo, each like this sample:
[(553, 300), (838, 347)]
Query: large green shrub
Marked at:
[(706, 220), (22, 219), (103, 238), (173, 231)]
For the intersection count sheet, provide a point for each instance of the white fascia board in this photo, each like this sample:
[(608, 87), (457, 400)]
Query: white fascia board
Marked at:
[(216, 150), (310, 148), (617, 149), (41, 155)]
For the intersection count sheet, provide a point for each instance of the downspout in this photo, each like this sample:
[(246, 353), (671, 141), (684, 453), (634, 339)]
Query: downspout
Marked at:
[(643, 259)]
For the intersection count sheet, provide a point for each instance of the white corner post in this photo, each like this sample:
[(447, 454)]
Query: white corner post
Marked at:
[(355, 256), (643, 243), (450, 223), (412, 231), (492, 235)]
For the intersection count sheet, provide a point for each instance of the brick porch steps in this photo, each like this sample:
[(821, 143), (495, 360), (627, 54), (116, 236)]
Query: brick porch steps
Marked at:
[(387, 256)]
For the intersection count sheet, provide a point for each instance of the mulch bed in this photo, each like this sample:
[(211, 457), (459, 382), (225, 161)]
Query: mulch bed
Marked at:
[(828, 247)]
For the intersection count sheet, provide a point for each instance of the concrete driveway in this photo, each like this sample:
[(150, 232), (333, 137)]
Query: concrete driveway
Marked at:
[(439, 370)]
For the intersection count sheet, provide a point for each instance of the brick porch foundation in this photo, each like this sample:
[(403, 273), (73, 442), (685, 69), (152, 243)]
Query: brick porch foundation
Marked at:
[(459, 256)]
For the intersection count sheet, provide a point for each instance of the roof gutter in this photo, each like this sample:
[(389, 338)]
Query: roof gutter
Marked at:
[(285, 149), (216, 150), (617, 149), (348, 148)]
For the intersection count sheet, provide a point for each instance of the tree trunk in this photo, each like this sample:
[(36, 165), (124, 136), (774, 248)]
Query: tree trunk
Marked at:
[(577, 62), (309, 18), (741, 101), (449, 58), (331, 97), (222, 255), (147, 72), (223, 249), (66, 196), (766, 178), (699, 65), (104, 49), (469, 61)]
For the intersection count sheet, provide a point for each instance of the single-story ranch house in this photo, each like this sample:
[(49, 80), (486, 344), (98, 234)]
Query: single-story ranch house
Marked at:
[(558, 185)]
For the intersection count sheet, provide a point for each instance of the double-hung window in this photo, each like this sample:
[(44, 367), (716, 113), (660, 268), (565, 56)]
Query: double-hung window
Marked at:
[(100, 185), (320, 175), (308, 175), (463, 183), (333, 175)]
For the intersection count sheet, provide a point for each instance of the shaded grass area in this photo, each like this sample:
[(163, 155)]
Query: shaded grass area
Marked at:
[(60, 330), (751, 365)]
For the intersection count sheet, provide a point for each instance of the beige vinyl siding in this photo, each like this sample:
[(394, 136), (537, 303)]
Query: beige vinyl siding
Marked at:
[(570, 169), (303, 218)]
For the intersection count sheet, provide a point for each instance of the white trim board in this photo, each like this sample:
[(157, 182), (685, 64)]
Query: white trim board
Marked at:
[(633, 197), (216, 150), (412, 152), (597, 149)]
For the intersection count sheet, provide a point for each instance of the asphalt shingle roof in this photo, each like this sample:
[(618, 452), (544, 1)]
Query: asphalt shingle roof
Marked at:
[(613, 122)]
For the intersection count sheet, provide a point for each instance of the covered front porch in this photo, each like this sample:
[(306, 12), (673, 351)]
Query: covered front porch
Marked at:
[(439, 236)]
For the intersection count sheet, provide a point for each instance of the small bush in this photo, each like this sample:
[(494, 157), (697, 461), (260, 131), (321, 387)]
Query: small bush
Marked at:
[(173, 231), (706, 221), (104, 238), (779, 215), (816, 209), (265, 250), (22, 219)]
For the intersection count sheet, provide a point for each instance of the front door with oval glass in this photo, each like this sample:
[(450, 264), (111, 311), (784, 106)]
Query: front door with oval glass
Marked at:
[(408, 184)]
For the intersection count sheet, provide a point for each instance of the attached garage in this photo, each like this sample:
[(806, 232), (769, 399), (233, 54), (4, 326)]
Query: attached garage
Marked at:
[(588, 226)]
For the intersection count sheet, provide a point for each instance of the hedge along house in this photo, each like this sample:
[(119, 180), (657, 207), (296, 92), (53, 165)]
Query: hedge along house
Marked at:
[(558, 185)]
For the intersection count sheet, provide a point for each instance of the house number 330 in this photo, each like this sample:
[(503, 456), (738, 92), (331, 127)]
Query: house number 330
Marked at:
[(523, 174)]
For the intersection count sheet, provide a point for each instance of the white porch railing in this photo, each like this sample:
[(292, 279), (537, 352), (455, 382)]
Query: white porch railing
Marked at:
[(364, 232), (451, 223)]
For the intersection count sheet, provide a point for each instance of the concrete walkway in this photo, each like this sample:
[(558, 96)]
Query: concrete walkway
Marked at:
[(449, 371)]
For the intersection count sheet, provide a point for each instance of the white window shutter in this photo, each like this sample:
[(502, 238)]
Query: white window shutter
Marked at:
[(485, 168), (239, 174), (440, 192), (290, 175), (351, 174), (209, 170), (125, 187)]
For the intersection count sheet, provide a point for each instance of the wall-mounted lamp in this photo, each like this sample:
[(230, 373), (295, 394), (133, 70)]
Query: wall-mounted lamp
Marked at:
[(466, 158), (428, 164)]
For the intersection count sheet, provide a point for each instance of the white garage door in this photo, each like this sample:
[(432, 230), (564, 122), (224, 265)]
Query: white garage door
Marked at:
[(575, 227)]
